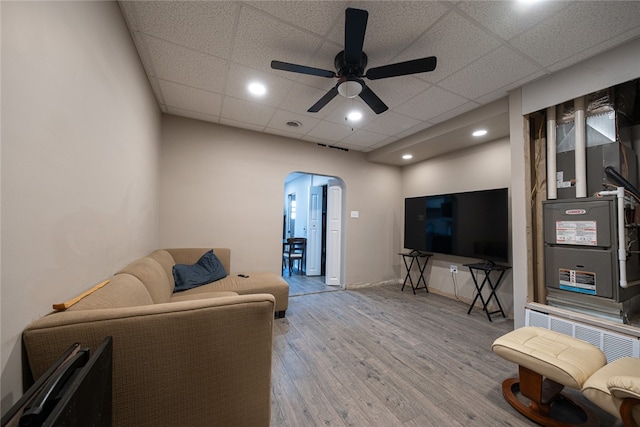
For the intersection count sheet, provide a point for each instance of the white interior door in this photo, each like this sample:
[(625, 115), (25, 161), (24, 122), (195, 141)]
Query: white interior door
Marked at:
[(314, 228), (334, 236)]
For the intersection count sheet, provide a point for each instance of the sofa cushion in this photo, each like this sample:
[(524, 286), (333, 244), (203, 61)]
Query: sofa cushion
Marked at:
[(208, 269), (152, 275), (206, 295), (166, 261), (123, 290), (256, 283)]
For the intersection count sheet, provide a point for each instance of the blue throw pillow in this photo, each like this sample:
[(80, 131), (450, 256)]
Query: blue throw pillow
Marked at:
[(208, 269)]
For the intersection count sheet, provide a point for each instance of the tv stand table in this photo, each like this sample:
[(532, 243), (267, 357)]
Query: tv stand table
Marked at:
[(415, 257), (487, 268)]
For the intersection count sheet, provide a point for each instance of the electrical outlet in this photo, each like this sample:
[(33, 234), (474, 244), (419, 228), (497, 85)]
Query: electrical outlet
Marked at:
[(453, 268)]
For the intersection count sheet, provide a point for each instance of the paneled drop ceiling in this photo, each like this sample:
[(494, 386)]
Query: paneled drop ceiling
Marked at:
[(200, 56)]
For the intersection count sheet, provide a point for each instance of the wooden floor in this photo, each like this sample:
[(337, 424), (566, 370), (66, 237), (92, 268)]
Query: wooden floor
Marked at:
[(380, 357), (300, 284)]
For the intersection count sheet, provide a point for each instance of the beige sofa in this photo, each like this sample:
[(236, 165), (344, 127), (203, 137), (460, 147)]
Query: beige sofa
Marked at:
[(201, 357)]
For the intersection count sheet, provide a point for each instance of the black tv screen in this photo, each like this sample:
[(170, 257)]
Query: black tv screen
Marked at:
[(75, 391), (472, 224)]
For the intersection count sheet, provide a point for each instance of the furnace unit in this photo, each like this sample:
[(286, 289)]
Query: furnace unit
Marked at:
[(582, 270)]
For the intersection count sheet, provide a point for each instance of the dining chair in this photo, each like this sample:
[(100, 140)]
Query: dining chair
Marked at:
[(295, 250)]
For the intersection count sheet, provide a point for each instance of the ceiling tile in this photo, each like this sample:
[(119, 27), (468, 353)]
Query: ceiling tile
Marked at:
[(188, 98), (467, 106), (246, 111), (240, 77), (241, 124), (398, 90), (417, 128), (183, 65), (280, 119), (315, 16), (261, 39), (455, 41), (363, 138), (192, 115), (491, 72), (577, 28), (504, 90), (130, 14), (384, 142), (330, 131), (507, 19), (391, 123), (200, 25), (587, 53), (430, 103)]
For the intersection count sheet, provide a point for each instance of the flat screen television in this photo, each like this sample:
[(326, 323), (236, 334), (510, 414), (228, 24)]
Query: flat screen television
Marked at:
[(75, 391), (472, 224)]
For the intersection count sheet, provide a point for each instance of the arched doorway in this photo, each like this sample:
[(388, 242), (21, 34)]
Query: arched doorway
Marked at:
[(313, 208)]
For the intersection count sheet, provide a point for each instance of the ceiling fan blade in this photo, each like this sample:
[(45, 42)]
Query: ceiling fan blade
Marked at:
[(402, 68), (372, 100), (355, 25), (294, 68), (323, 101)]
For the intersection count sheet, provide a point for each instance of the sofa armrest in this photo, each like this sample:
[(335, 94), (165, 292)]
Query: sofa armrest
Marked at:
[(197, 363)]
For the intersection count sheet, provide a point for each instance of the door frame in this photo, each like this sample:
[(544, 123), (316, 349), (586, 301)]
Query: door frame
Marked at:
[(315, 179)]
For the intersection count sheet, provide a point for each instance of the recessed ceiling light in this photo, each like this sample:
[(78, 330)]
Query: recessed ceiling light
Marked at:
[(407, 156), (257, 89), (354, 116), (294, 123), (481, 132)]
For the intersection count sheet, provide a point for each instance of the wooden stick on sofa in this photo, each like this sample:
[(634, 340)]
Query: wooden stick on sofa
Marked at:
[(67, 304)]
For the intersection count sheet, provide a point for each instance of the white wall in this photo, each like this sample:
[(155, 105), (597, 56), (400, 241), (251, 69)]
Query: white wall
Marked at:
[(300, 187), (80, 138), (222, 186), (481, 167)]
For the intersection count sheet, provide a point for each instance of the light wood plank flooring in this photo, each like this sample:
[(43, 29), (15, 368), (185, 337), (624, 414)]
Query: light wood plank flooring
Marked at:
[(300, 284), (380, 357)]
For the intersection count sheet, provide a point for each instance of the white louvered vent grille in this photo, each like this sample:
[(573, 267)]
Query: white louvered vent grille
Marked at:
[(561, 326), (535, 318), (589, 335), (617, 346), (613, 345)]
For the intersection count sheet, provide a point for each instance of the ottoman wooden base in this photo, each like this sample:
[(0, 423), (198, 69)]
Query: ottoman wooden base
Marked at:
[(542, 394)]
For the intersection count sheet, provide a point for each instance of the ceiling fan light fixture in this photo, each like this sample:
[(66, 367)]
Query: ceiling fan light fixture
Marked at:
[(350, 88)]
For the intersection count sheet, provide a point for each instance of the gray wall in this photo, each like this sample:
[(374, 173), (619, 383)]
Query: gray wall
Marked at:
[(224, 186), (481, 167), (80, 138)]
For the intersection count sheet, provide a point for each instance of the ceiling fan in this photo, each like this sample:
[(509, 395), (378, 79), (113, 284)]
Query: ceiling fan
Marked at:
[(350, 65)]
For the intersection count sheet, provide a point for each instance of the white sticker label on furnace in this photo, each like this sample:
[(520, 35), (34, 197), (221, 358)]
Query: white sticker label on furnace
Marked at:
[(577, 233)]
